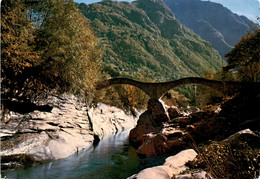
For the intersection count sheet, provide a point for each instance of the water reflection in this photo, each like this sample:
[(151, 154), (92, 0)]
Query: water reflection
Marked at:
[(113, 158)]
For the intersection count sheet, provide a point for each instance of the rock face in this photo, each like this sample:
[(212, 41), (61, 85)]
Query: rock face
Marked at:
[(109, 120), (61, 132)]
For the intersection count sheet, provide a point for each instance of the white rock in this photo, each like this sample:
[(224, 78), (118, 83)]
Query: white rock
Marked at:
[(109, 120), (173, 165), (63, 131)]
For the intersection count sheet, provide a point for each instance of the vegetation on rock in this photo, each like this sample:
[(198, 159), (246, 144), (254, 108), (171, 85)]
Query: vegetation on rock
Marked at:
[(230, 159)]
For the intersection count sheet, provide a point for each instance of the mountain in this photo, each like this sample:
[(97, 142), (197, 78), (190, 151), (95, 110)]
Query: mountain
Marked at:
[(143, 39), (248, 8), (212, 21)]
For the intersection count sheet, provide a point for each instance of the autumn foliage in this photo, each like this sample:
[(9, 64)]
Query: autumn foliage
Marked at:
[(47, 46)]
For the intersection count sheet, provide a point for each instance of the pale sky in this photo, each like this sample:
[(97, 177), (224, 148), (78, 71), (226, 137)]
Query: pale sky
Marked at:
[(248, 8)]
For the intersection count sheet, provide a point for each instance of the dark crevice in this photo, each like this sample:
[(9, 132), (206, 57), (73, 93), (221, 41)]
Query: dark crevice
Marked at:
[(24, 107), (36, 119), (52, 124), (90, 122), (96, 140)]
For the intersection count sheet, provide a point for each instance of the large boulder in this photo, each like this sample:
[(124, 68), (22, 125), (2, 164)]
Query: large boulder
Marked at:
[(149, 122), (144, 126), (172, 167), (173, 112), (155, 134), (245, 136), (154, 146), (156, 111)]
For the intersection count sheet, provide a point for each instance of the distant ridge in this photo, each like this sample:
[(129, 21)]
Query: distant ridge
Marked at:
[(212, 21)]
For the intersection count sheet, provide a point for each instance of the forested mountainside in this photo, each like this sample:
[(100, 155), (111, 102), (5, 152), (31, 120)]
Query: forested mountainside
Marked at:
[(143, 39), (212, 21)]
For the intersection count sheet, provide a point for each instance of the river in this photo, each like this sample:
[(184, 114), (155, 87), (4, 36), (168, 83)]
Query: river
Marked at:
[(113, 157)]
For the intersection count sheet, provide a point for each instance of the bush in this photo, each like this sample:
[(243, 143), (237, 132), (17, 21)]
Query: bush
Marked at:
[(228, 160), (173, 98), (125, 97)]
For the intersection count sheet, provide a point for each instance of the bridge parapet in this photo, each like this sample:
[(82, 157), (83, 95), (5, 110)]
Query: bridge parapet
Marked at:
[(157, 90)]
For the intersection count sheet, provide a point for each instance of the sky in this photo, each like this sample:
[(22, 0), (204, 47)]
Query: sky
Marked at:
[(248, 8)]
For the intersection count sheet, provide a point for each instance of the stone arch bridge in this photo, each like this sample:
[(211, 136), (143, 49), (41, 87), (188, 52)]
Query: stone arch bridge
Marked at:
[(157, 90)]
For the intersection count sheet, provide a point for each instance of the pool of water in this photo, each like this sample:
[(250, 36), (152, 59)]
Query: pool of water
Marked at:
[(113, 157)]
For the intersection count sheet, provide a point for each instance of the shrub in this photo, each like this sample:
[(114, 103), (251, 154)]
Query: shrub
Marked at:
[(228, 160)]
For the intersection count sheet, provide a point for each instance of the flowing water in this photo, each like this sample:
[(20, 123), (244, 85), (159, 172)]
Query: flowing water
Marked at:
[(113, 157)]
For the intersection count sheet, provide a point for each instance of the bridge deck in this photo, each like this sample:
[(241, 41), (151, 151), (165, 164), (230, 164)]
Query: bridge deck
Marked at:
[(157, 90)]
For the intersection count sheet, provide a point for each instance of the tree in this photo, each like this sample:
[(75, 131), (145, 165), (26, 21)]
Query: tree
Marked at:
[(17, 45), (69, 49), (49, 46), (245, 57)]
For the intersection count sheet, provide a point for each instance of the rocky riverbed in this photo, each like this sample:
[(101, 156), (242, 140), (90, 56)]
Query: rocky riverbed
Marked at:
[(62, 126), (57, 128), (164, 130)]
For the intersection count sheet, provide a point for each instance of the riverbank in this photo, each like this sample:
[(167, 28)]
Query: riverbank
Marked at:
[(59, 127), (164, 130), (113, 157)]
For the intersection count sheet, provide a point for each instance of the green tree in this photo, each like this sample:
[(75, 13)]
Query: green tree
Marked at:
[(245, 56)]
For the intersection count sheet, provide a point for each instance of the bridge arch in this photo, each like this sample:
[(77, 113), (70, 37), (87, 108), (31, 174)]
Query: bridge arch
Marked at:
[(157, 90)]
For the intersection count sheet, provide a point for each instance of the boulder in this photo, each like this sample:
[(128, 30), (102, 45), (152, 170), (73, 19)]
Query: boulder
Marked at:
[(245, 136), (154, 146), (176, 145), (156, 111), (154, 134), (144, 126), (198, 116), (173, 112), (173, 166), (183, 121), (107, 120), (150, 122)]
